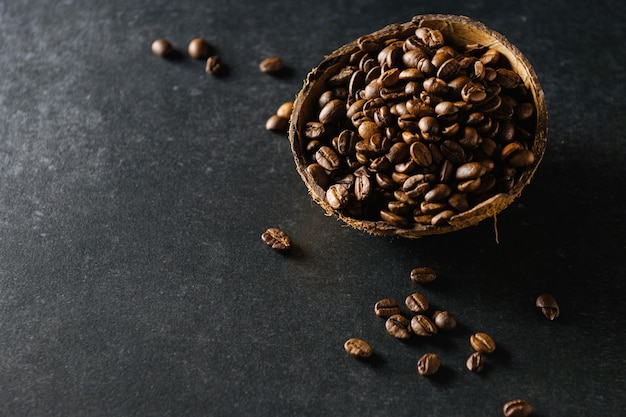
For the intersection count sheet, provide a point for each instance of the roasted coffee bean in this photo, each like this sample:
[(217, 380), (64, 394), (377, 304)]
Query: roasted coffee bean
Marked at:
[(482, 342), (213, 65), (548, 305), (271, 65), (386, 307), (327, 158), (475, 362), (420, 154), (332, 112), (319, 175), (277, 123), (444, 320), (198, 48), (428, 364), (276, 239), (423, 275), (417, 303), (398, 326), (362, 187), (521, 158), (432, 38), (314, 130), (442, 217), (437, 193), (517, 408), (337, 196), (423, 326), (358, 348), (394, 219), (470, 171), (458, 202), (452, 151), (162, 47), (285, 110)]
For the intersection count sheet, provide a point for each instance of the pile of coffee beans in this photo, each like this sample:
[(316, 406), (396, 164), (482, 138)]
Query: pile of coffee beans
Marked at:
[(416, 130)]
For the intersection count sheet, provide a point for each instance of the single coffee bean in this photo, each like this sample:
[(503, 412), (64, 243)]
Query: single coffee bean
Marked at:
[(428, 364), (162, 47), (319, 175), (423, 326), (470, 171), (421, 154), (285, 110), (482, 343), (417, 303), (386, 307), (327, 158), (358, 348), (394, 219), (442, 218), (213, 65), (548, 305), (475, 362), (332, 111), (423, 275), (444, 320), (337, 196), (277, 123), (198, 48), (438, 193), (276, 239), (398, 326), (517, 408), (271, 65)]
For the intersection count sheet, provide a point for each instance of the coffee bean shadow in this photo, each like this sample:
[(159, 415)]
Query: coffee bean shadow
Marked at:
[(444, 375), (375, 361), (175, 56), (285, 73)]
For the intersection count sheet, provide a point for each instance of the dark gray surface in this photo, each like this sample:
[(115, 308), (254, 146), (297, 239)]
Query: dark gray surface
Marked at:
[(133, 191)]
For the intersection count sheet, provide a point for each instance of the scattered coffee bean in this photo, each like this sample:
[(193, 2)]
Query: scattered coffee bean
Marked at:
[(417, 303), (213, 65), (162, 47), (398, 326), (548, 305), (276, 239), (198, 48), (271, 65), (428, 364), (482, 343), (475, 362), (358, 348), (423, 275), (285, 110), (444, 320), (386, 307), (517, 408), (423, 326), (277, 123)]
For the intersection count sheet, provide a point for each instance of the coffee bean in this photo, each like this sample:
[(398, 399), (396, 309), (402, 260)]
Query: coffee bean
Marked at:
[(358, 348), (423, 326), (548, 305), (277, 123), (475, 362), (285, 110), (213, 65), (394, 219), (470, 171), (444, 320), (162, 47), (198, 48), (319, 175), (428, 364), (423, 275), (271, 65), (337, 196), (417, 303), (332, 111), (421, 154), (386, 307), (482, 343), (276, 239), (327, 158), (517, 408), (398, 326)]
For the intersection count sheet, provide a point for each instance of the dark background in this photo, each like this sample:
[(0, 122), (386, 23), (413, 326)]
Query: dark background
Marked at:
[(134, 190)]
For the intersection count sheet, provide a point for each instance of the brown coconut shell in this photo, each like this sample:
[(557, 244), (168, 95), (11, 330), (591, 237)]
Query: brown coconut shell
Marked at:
[(458, 31)]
